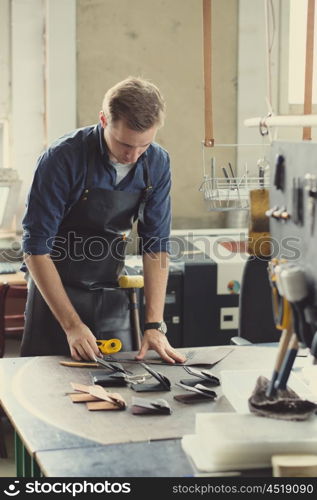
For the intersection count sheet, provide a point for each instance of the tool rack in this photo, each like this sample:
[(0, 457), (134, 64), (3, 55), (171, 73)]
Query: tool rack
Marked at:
[(294, 193), (224, 194)]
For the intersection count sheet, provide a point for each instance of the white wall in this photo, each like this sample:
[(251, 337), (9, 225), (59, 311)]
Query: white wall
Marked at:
[(252, 78), (252, 74), (162, 40), (38, 79)]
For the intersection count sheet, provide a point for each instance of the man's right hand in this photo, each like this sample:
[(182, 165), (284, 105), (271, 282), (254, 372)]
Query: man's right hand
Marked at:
[(82, 343)]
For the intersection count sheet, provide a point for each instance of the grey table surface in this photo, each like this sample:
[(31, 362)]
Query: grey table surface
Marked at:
[(67, 440)]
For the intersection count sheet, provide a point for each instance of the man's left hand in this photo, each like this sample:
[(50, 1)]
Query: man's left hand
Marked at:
[(157, 341)]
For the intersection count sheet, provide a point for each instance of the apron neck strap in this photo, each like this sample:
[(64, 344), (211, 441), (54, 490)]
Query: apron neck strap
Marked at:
[(91, 157), (92, 151), (146, 191), (148, 183)]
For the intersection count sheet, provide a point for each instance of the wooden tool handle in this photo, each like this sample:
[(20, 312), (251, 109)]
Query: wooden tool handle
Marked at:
[(133, 281), (78, 364), (282, 348), (137, 337)]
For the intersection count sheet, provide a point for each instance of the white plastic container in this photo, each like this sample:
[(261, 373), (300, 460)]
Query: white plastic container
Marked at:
[(232, 441)]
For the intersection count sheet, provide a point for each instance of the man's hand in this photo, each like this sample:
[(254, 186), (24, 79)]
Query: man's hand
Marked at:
[(82, 343), (155, 340)]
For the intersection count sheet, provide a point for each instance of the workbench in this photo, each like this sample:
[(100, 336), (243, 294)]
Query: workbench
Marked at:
[(57, 438)]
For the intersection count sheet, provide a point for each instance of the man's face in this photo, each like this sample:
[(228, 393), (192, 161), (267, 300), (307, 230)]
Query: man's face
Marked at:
[(124, 144)]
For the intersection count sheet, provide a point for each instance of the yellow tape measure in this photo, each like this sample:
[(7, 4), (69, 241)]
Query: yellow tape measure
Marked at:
[(109, 346)]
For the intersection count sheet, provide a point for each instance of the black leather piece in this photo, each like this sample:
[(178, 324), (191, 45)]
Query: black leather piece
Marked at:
[(149, 387), (199, 389), (193, 381), (192, 398), (142, 406), (202, 375), (110, 380), (164, 383), (162, 379)]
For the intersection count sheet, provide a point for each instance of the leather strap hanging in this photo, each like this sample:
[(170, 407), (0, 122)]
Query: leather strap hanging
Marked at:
[(309, 66), (209, 140)]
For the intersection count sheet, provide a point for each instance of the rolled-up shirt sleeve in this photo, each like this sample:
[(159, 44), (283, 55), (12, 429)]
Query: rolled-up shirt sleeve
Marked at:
[(155, 224), (46, 204)]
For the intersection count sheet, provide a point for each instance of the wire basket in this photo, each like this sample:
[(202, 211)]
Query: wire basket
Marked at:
[(223, 194)]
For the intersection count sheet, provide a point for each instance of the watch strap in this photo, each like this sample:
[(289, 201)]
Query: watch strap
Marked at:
[(152, 326)]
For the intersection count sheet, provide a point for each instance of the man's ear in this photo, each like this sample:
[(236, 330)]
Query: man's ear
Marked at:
[(103, 119)]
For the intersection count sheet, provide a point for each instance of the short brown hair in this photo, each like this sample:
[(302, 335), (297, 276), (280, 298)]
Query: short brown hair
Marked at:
[(136, 101)]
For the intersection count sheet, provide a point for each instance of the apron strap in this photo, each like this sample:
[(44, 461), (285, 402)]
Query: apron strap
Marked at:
[(146, 191), (148, 182), (91, 157), (92, 149)]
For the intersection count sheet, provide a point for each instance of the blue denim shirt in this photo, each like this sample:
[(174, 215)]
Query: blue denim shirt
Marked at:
[(59, 180)]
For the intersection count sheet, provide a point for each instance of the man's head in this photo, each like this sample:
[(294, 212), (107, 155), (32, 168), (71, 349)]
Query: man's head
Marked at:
[(132, 112), (135, 101)]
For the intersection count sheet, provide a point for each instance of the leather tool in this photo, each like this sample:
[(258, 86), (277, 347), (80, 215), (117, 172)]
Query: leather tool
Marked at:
[(287, 364), (295, 286), (295, 289), (79, 364), (109, 346), (202, 393), (208, 378), (112, 367), (283, 321), (131, 283), (164, 383), (117, 379)]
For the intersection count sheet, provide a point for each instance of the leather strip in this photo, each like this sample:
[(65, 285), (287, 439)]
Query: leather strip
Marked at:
[(309, 66)]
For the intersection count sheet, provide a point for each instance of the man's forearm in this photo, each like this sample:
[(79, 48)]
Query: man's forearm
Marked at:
[(155, 269), (47, 280)]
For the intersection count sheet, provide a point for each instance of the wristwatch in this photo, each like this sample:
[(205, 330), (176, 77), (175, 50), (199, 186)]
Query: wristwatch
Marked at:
[(159, 325)]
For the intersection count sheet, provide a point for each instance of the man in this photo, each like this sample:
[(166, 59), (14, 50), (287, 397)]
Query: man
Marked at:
[(88, 188)]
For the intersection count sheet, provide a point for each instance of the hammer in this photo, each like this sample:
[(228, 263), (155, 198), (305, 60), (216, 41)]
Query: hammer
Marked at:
[(131, 283)]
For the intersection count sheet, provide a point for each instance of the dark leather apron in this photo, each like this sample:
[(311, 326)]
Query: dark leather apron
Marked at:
[(89, 253)]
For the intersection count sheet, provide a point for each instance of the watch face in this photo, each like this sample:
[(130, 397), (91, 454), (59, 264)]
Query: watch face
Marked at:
[(163, 327)]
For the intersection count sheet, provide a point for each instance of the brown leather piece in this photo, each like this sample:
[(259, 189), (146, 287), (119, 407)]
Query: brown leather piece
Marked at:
[(82, 398), (97, 398), (102, 405)]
